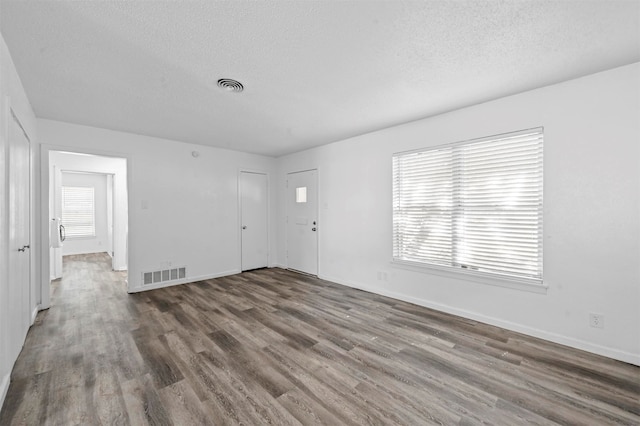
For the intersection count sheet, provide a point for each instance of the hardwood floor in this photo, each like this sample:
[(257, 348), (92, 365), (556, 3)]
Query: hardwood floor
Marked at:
[(275, 347)]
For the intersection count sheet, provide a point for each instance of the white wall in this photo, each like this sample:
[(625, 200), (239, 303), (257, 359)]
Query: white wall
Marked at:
[(98, 243), (113, 166), (591, 212), (12, 96), (183, 210)]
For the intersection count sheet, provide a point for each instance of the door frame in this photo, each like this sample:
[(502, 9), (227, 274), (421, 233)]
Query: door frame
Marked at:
[(239, 226), (45, 149), (318, 210)]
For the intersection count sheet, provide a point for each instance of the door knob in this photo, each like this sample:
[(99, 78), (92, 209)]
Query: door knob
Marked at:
[(244, 227), (313, 229)]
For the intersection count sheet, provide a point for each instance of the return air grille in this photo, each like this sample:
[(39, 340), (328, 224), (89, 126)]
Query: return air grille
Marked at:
[(164, 275)]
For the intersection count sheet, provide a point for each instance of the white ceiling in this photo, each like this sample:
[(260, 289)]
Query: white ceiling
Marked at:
[(314, 71)]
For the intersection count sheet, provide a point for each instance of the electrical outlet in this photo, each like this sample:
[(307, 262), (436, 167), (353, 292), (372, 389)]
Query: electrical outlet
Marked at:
[(596, 320)]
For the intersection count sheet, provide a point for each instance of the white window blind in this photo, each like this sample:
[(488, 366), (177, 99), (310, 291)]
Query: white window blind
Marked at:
[(474, 206), (78, 211)]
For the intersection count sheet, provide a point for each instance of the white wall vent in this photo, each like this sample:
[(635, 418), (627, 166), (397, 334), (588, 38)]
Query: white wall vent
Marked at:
[(164, 275)]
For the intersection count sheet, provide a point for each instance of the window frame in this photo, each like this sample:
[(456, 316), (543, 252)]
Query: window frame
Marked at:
[(453, 270)]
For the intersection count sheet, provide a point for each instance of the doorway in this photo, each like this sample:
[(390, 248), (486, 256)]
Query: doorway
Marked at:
[(88, 196), (254, 221), (302, 221)]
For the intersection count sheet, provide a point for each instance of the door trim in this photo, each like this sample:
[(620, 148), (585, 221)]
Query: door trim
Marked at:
[(24, 132), (239, 231), (320, 220)]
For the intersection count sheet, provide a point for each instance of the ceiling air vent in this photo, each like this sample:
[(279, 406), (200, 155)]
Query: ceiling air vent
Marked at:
[(230, 85)]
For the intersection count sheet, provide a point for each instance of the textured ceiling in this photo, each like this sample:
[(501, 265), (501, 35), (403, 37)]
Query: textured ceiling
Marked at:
[(314, 71)]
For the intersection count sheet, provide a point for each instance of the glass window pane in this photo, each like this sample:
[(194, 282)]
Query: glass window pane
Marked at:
[(301, 194)]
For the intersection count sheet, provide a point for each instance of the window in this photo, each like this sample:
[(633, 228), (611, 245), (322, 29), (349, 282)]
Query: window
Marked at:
[(472, 206), (78, 211), (301, 194)]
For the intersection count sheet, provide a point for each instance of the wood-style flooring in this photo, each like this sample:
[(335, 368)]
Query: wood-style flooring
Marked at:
[(275, 347)]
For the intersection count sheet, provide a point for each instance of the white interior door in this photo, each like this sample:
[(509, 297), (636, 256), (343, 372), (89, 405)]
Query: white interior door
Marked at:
[(254, 223), (19, 236), (302, 221)]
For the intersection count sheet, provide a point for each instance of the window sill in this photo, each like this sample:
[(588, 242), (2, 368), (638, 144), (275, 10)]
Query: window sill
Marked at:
[(473, 276), (80, 237)]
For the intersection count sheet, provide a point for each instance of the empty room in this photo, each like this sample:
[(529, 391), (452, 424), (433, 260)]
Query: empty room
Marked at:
[(320, 212)]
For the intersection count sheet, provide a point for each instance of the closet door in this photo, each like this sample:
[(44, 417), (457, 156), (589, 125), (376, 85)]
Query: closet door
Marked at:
[(20, 293), (254, 221)]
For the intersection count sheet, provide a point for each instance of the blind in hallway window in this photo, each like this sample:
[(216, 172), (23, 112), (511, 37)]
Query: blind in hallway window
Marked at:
[(78, 211), (474, 206)]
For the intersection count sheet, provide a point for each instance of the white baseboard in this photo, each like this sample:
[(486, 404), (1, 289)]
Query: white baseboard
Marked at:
[(4, 387), (183, 281), (34, 314), (277, 265), (619, 355)]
